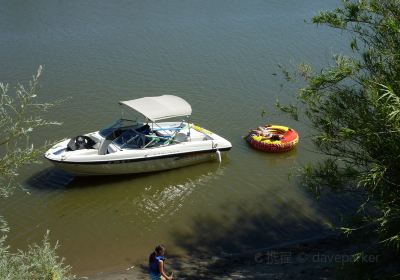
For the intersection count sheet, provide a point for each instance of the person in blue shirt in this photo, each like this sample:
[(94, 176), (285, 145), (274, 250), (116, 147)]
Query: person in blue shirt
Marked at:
[(156, 264)]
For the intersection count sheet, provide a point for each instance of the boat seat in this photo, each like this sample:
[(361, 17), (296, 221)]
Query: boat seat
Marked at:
[(181, 137), (198, 136), (145, 129), (111, 149), (166, 132), (103, 146)]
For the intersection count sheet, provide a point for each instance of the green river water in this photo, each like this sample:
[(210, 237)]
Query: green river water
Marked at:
[(221, 56)]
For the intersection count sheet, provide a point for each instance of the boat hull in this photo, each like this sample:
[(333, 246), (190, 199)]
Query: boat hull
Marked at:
[(192, 145), (132, 166)]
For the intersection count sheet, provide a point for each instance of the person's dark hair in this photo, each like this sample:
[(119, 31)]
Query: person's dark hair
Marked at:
[(156, 252)]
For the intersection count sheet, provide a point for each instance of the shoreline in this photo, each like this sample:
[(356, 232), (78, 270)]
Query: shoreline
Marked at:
[(314, 258)]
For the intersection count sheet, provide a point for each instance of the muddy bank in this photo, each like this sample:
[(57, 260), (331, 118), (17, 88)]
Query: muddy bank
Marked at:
[(307, 259)]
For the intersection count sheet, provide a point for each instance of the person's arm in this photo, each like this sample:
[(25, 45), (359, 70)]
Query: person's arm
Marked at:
[(161, 268)]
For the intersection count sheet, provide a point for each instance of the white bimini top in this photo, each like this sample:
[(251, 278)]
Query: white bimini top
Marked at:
[(162, 107)]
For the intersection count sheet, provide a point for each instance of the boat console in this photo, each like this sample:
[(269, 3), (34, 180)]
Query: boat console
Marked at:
[(80, 142)]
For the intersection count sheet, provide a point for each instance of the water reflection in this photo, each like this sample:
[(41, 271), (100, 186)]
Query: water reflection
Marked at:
[(165, 201), (107, 219), (49, 179), (52, 178)]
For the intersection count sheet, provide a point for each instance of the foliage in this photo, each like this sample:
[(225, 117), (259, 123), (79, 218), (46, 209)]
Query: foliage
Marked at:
[(38, 262), (354, 107), (19, 117)]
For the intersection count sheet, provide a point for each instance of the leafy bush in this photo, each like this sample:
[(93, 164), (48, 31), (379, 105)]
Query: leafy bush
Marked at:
[(19, 117), (354, 107)]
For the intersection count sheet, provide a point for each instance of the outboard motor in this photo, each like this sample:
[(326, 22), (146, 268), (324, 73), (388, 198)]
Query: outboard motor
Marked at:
[(80, 142)]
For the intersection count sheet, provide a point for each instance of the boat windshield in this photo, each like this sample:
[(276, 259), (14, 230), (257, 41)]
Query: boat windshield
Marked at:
[(134, 139), (141, 136), (120, 123)]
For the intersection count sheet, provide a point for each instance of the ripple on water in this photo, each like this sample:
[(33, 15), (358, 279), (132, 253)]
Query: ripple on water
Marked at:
[(164, 202)]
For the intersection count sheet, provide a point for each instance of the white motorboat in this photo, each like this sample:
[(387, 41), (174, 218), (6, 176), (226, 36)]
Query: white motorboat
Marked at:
[(132, 146)]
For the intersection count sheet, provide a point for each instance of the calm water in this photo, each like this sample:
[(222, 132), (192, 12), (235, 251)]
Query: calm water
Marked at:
[(221, 56)]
